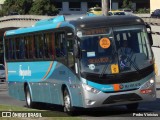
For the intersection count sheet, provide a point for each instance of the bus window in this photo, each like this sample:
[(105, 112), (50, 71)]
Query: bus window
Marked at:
[(38, 43), (9, 49), (6, 49), (70, 54), (60, 47), (48, 45), (20, 48), (29, 47)]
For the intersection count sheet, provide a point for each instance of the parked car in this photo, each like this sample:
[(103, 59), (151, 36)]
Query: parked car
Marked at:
[(156, 14), (127, 11), (110, 13), (2, 73), (98, 11), (95, 10)]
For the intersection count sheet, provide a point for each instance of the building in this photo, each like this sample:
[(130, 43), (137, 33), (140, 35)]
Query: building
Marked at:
[(154, 4), (81, 6), (1, 3)]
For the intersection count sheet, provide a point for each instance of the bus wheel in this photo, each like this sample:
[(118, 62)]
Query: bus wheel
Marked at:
[(67, 103), (29, 102), (132, 107)]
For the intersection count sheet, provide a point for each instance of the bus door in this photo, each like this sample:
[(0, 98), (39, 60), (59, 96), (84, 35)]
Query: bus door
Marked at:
[(61, 56), (73, 79)]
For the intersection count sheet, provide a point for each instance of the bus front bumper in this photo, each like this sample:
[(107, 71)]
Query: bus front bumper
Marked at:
[(102, 99)]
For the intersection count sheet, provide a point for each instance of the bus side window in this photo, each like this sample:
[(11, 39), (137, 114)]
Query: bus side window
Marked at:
[(9, 49), (60, 47), (38, 42), (70, 54), (48, 45), (29, 47), (20, 48)]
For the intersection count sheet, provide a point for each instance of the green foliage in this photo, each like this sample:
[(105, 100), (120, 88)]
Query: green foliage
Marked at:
[(1, 13), (43, 7), (36, 7), (24, 6), (127, 4), (142, 10), (19, 6)]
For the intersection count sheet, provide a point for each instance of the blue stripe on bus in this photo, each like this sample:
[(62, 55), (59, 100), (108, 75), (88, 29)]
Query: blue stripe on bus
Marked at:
[(27, 71), (101, 87), (52, 69), (123, 86)]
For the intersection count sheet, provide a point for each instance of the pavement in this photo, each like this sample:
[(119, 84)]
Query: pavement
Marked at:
[(158, 82)]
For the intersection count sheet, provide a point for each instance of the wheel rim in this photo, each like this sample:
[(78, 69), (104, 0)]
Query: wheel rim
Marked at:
[(28, 99), (67, 102)]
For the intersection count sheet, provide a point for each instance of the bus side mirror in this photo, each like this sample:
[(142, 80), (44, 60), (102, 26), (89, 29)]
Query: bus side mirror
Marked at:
[(76, 51), (150, 38), (149, 34)]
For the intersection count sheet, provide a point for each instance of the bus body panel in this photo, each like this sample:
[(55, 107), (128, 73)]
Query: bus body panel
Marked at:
[(44, 87)]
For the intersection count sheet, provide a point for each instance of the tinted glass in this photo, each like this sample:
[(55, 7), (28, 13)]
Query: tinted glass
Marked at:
[(1, 67), (133, 48)]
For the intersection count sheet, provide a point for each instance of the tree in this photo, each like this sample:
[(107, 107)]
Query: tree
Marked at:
[(127, 4), (43, 7), (19, 6), (1, 13), (24, 6)]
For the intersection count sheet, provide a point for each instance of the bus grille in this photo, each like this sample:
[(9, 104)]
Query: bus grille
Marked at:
[(122, 98)]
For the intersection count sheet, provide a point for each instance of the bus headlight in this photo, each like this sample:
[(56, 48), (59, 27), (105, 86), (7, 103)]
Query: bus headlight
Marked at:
[(90, 89), (151, 81), (148, 84), (147, 87)]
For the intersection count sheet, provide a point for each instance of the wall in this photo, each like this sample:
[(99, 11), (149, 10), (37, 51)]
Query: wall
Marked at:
[(154, 4)]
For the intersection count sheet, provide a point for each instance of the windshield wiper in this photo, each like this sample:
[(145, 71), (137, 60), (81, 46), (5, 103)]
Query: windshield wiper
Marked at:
[(132, 63), (104, 70), (114, 54)]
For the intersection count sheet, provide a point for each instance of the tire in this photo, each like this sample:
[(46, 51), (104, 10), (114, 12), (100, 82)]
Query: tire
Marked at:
[(132, 107), (67, 103), (29, 102)]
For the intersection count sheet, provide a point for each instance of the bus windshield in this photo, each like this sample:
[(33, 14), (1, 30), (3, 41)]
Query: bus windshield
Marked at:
[(127, 48)]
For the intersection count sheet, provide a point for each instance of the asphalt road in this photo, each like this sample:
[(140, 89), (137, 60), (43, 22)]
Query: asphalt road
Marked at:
[(115, 112)]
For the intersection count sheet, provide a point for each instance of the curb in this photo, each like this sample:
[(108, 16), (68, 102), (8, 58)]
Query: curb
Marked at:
[(158, 82), (157, 85)]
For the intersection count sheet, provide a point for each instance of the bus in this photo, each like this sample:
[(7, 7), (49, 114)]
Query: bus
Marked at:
[(77, 64)]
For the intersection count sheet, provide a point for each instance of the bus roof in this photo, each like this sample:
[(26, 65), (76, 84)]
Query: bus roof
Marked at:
[(106, 21), (80, 23)]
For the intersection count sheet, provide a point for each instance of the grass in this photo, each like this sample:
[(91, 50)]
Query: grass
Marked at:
[(46, 115), (13, 108)]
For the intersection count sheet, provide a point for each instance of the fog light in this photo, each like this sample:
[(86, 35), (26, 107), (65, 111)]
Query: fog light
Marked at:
[(90, 102)]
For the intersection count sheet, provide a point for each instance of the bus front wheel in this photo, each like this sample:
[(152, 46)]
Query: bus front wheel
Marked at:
[(29, 102), (67, 103)]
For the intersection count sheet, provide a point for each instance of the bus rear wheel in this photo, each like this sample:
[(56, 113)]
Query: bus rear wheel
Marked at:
[(67, 103), (132, 107), (29, 102)]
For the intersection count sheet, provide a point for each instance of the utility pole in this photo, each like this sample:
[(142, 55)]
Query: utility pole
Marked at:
[(110, 2), (104, 7)]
